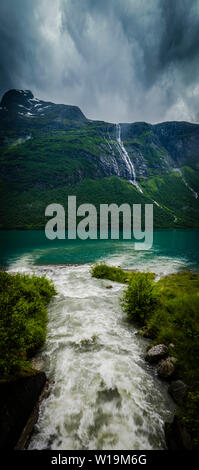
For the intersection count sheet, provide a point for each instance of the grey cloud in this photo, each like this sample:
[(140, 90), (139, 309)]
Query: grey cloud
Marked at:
[(19, 42), (119, 60)]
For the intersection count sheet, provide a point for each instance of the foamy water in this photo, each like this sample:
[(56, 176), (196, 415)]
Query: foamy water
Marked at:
[(103, 393)]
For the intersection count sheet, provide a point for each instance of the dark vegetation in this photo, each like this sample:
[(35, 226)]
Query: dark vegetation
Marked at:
[(169, 312), (23, 301)]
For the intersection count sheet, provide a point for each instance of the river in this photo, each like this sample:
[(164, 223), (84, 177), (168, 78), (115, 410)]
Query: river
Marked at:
[(103, 395)]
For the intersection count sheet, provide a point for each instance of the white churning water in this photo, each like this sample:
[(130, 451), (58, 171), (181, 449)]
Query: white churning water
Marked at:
[(103, 393), (127, 160)]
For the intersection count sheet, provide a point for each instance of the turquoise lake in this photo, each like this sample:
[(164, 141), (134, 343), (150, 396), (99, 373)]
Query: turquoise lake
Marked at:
[(172, 250)]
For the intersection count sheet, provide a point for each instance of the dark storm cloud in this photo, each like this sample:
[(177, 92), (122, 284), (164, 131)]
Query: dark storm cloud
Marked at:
[(119, 60), (179, 40), (19, 41)]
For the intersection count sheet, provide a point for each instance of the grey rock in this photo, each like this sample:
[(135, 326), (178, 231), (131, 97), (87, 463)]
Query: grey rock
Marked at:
[(166, 368), (156, 353), (177, 435), (178, 390), (37, 362), (18, 399)]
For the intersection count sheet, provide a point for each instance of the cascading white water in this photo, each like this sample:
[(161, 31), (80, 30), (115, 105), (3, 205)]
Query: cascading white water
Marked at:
[(103, 393), (128, 162), (195, 194)]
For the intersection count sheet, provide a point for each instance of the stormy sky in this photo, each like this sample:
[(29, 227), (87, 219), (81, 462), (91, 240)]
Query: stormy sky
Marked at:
[(118, 60)]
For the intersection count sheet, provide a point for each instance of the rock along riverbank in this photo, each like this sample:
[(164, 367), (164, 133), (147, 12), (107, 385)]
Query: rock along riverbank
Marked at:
[(19, 406)]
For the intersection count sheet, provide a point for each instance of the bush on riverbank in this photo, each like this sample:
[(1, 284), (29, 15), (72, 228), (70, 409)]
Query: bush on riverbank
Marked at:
[(169, 311), (139, 299), (23, 301)]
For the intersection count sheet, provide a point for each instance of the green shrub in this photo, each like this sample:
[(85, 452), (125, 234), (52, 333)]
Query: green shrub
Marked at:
[(23, 301), (139, 299), (103, 271)]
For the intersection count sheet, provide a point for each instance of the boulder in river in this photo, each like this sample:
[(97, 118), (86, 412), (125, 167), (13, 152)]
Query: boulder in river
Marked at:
[(166, 368), (156, 353)]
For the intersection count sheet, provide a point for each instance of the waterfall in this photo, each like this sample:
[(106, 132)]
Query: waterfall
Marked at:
[(112, 157), (128, 162), (195, 194)]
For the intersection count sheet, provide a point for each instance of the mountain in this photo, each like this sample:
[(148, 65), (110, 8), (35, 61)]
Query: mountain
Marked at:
[(50, 151)]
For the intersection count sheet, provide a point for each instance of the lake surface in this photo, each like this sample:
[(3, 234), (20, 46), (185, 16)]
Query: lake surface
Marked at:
[(172, 250), (103, 393)]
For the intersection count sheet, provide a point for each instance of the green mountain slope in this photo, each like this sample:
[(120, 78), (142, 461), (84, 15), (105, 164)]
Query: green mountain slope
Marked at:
[(50, 151)]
